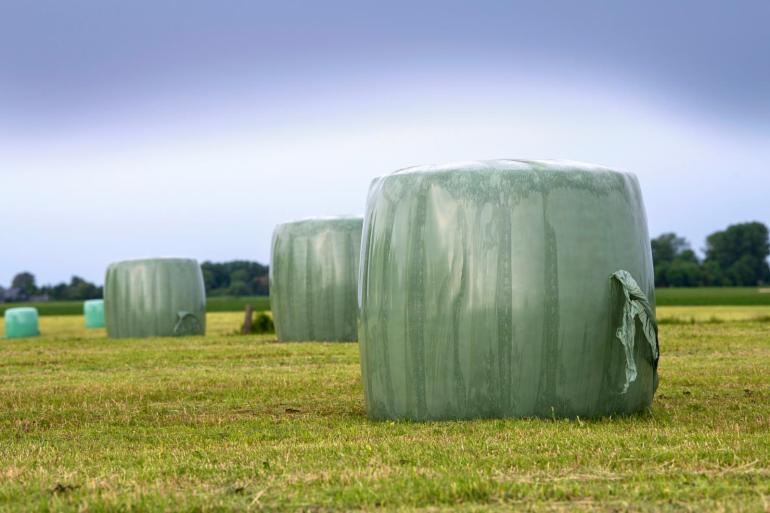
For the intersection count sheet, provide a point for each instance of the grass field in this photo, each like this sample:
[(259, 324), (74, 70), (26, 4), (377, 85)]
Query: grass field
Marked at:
[(726, 296), (240, 423), (701, 296)]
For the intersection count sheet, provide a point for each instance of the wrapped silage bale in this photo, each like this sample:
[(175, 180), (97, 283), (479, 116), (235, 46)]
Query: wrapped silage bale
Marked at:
[(506, 289), (156, 297), (21, 322), (93, 312), (313, 277)]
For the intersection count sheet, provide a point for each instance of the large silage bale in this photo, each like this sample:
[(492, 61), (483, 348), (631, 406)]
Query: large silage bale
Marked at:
[(313, 277), (506, 289), (157, 297), (21, 322)]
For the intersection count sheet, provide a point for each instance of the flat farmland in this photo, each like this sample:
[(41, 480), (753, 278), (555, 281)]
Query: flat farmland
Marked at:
[(243, 423)]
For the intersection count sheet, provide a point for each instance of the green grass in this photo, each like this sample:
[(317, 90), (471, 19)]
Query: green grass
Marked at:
[(49, 307), (701, 296), (232, 423), (237, 304)]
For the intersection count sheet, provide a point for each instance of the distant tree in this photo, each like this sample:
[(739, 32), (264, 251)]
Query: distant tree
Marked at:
[(236, 278), (77, 289), (208, 278), (25, 282), (59, 291), (238, 288), (687, 255), (666, 247), (675, 264), (713, 275), (740, 254), (262, 285), (80, 289), (240, 275), (684, 273)]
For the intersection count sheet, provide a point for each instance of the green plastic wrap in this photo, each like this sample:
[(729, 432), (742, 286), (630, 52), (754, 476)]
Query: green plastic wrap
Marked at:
[(93, 312), (158, 297), (506, 289), (313, 276), (21, 322)]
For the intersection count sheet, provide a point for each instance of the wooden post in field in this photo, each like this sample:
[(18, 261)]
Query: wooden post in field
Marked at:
[(246, 328)]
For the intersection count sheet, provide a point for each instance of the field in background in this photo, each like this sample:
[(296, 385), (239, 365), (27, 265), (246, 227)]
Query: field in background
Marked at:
[(213, 304), (701, 296), (228, 422), (664, 297)]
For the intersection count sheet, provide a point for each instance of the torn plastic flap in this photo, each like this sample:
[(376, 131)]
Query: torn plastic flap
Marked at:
[(635, 306)]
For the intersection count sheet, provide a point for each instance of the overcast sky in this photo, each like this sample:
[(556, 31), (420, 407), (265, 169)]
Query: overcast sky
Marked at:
[(150, 128)]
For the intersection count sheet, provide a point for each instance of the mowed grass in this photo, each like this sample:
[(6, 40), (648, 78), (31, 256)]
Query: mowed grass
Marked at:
[(242, 423)]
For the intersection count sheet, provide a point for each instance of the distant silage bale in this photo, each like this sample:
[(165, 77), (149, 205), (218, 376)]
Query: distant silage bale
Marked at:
[(93, 311), (157, 297), (313, 279), (21, 322)]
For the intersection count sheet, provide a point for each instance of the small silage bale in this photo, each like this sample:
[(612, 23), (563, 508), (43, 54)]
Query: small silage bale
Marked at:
[(313, 277), (21, 322), (155, 297), (93, 312), (506, 289)]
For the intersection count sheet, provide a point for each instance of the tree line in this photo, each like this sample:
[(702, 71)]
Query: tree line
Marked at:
[(236, 278), (735, 256), (24, 288)]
